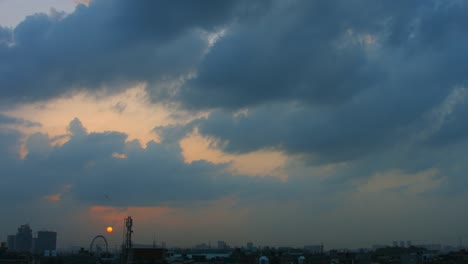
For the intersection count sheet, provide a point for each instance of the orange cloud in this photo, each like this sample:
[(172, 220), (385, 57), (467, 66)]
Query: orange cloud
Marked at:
[(119, 155), (53, 197), (58, 196), (258, 163), (130, 112), (133, 113), (84, 2)]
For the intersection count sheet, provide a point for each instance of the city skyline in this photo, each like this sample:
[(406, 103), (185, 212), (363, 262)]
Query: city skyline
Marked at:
[(42, 240), (278, 122)]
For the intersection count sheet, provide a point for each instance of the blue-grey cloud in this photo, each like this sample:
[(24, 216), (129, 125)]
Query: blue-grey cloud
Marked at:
[(136, 176), (364, 77), (309, 51), (9, 146), (9, 120), (6, 36), (334, 79), (109, 43)]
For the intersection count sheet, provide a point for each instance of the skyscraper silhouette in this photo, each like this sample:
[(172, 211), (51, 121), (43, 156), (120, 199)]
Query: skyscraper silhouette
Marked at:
[(24, 239)]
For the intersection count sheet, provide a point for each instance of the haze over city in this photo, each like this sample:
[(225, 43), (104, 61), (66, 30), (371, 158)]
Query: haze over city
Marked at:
[(284, 123)]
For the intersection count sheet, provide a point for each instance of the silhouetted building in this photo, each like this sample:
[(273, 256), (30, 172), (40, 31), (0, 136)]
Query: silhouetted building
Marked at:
[(24, 239), (375, 247), (202, 246), (46, 240), (222, 244), (11, 242), (148, 255), (432, 247), (3, 248), (314, 249), (250, 246)]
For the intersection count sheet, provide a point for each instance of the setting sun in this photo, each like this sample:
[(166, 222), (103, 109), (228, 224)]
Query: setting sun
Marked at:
[(109, 229)]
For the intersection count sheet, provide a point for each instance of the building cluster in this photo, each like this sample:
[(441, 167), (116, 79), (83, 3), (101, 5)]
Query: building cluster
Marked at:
[(250, 254), (27, 247), (283, 255), (43, 242), (219, 245)]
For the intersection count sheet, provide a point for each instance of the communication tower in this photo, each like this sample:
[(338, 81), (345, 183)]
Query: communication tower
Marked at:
[(127, 240), (128, 232)]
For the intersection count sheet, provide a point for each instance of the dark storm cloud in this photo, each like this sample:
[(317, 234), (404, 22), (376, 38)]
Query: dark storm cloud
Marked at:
[(333, 137), (367, 126), (310, 51), (109, 42), (338, 80), (158, 175), (135, 177)]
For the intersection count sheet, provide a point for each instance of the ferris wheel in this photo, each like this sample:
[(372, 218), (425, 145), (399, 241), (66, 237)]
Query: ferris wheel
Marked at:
[(98, 244)]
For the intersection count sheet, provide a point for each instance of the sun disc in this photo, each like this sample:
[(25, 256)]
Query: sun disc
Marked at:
[(109, 229)]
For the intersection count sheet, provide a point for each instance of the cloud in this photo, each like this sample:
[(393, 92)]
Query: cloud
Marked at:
[(326, 79), (119, 107), (152, 176), (340, 135), (333, 81), (9, 146), (98, 112), (358, 142), (9, 120), (108, 43), (280, 59), (6, 36), (76, 128), (309, 51)]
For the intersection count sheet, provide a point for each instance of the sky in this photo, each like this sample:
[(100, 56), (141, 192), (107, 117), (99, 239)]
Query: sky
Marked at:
[(284, 123)]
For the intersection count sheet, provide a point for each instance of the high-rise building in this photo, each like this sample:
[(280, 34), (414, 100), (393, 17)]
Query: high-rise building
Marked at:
[(11, 242), (46, 240), (250, 245), (24, 239), (222, 244)]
